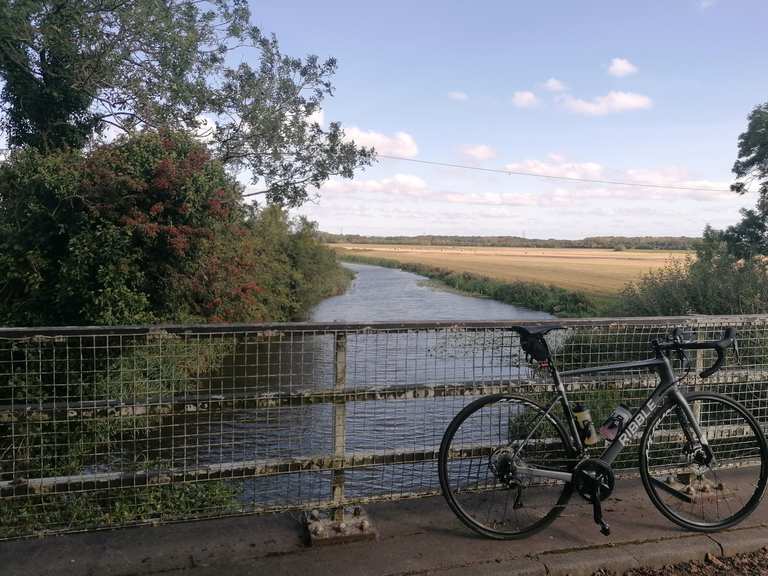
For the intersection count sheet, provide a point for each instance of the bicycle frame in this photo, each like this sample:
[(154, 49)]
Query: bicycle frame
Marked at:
[(666, 387)]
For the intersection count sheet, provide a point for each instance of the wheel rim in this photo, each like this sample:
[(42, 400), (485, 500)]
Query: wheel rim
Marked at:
[(700, 494), (479, 467)]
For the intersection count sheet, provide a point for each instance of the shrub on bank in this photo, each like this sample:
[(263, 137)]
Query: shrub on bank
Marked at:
[(714, 282), (148, 229)]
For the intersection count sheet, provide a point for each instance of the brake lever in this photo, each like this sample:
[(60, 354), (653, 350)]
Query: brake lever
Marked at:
[(716, 366), (685, 361)]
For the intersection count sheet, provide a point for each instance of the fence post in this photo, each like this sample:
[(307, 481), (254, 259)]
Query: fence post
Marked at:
[(701, 334), (339, 425)]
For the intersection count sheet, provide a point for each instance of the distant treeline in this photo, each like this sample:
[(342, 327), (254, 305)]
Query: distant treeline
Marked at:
[(608, 242)]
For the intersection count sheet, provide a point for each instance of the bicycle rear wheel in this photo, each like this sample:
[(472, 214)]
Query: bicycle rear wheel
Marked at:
[(480, 452), (691, 493)]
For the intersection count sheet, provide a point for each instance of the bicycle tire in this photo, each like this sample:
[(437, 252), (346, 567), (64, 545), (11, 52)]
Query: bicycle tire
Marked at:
[(725, 423), (455, 494)]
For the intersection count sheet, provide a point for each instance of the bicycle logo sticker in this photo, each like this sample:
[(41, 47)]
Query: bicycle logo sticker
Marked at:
[(634, 428)]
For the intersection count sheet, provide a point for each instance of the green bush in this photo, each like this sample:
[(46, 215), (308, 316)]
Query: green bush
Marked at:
[(51, 513), (148, 229), (714, 282)]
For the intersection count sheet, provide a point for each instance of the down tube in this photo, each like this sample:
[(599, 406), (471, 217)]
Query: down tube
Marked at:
[(636, 425)]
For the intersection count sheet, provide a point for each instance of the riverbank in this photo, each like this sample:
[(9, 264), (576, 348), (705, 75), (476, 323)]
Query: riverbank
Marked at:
[(335, 281), (304, 272), (534, 296)]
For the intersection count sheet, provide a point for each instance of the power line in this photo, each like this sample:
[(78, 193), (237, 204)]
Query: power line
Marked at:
[(522, 173), (552, 177)]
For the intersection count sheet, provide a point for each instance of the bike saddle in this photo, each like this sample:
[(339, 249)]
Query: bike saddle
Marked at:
[(532, 340), (537, 330)]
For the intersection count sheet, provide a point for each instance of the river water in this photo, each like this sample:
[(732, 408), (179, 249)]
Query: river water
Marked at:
[(375, 360), (386, 294)]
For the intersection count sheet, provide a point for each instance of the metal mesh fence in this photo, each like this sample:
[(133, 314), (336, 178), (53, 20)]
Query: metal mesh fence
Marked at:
[(112, 427)]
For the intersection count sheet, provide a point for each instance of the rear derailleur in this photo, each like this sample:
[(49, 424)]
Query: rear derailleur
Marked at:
[(502, 464)]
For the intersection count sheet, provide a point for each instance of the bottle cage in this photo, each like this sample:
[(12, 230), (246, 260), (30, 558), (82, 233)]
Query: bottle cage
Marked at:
[(534, 347)]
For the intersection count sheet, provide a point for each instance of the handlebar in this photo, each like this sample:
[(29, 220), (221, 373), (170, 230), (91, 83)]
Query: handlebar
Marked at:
[(720, 346)]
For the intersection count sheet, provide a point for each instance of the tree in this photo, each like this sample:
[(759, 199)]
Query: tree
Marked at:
[(714, 282), (70, 69), (147, 229), (100, 238), (750, 236), (730, 271)]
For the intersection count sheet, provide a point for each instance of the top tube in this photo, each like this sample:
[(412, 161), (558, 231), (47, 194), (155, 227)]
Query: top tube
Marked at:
[(615, 367)]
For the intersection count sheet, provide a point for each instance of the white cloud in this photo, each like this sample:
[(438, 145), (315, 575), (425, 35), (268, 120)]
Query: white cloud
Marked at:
[(399, 184), (704, 4), (611, 103), (407, 203), (558, 166), (554, 85), (479, 152), (317, 117), (400, 144), (489, 199), (524, 99), (678, 176), (391, 192), (673, 177), (459, 96), (621, 67)]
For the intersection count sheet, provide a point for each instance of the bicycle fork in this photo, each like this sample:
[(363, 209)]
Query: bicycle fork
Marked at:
[(689, 421), (697, 449)]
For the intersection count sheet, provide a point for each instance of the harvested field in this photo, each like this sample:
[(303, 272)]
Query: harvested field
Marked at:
[(599, 272)]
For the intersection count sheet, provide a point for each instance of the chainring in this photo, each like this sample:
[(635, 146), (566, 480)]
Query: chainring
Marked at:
[(593, 471)]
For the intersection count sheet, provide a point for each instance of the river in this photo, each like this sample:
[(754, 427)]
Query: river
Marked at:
[(374, 359), (387, 294)]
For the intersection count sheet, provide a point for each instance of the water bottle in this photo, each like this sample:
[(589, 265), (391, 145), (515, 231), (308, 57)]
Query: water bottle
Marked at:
[(584, 421), (616, 422)]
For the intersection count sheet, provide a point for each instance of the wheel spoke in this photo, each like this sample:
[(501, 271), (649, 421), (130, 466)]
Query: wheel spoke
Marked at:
[(478, 459), (691, 492)]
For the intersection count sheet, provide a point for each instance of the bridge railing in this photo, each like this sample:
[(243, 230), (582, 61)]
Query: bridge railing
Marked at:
[(104, 427)]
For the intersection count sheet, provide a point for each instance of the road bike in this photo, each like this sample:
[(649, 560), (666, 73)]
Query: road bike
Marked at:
[(508, 466)]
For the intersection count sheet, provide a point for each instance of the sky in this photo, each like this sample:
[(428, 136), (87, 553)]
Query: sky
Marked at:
[(648, 92)]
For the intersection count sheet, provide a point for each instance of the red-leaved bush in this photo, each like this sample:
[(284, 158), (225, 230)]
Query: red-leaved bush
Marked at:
[(146, 229)]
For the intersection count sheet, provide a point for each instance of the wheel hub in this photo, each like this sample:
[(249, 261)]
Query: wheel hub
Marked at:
[(502, 464)]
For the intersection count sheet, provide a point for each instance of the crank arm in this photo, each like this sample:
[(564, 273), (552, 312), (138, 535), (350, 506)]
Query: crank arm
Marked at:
[(597, 511)]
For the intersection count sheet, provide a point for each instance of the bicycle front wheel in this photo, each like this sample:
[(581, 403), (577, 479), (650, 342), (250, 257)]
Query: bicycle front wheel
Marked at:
[(481, 450), (693, 493)]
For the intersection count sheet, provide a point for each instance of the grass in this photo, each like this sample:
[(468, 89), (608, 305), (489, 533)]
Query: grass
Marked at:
[(600, 273)]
